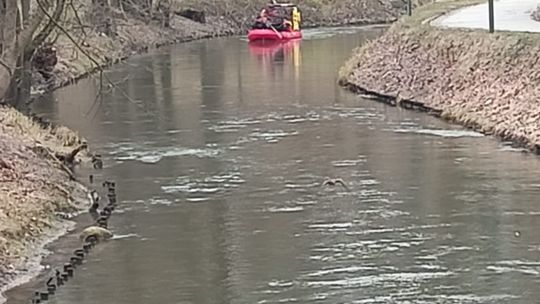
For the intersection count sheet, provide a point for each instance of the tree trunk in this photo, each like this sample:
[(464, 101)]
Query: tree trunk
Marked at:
[(8, 57), (15, 40)]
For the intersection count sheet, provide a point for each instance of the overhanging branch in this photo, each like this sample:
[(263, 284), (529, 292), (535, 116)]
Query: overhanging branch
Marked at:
[(94, 61)]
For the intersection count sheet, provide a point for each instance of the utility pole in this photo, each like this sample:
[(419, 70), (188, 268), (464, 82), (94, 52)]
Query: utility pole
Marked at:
[(491, 16), (409, 7)]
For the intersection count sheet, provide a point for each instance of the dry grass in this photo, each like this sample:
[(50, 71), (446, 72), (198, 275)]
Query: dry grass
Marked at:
[(32, 187), (56, 138), (480, 80), (508, 44)]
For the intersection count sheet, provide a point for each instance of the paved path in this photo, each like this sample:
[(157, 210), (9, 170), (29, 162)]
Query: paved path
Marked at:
[(510, 15)]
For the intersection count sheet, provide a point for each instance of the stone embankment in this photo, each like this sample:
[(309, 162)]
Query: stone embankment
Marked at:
[(487, 82)]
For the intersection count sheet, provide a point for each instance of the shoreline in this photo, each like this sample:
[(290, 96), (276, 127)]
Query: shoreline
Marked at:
[(484, 82)]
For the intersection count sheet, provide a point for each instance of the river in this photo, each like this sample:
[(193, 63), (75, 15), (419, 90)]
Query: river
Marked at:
[(220, 153)]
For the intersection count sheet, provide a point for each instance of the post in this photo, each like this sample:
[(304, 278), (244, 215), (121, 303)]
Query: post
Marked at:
[(409, 7), (491, 16)]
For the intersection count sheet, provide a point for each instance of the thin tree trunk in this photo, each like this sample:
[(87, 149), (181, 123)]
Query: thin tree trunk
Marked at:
[(14, 40)]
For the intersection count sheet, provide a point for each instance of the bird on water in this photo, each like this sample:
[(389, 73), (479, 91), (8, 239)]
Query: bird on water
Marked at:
[(334, 182)]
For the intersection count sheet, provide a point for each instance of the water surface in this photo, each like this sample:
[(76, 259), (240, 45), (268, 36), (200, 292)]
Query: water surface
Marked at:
[(220, 153)]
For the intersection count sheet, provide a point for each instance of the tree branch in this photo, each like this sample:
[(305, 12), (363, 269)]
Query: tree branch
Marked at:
[(10, 71), (72, 6), (25, 38), (46, 31), (94, 61)]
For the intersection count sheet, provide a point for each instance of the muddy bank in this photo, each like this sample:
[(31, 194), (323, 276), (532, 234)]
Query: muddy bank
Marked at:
[(37, 191), (482, 81), (127, 34)]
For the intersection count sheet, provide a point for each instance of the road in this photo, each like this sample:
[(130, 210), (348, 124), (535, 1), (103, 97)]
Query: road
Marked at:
[(510, 15)]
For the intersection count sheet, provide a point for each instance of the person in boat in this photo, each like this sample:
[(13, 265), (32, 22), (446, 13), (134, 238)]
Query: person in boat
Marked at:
[(263, 21), (271, 18)]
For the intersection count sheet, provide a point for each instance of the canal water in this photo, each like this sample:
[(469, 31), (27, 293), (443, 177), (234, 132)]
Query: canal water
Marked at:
[(220, 153)]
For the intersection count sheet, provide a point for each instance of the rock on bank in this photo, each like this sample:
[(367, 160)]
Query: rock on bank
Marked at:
[(484, 81)]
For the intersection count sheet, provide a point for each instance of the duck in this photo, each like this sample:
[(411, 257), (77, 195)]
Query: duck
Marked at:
[(41, 296), (102, 222), (108, 184), (68, 271), (94, 211), (93, 197), (334, 181), (51, 287), (59, 280), (97, 162)]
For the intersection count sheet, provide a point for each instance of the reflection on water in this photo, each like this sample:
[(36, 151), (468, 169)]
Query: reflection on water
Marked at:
[(272, 53), (220, 157)]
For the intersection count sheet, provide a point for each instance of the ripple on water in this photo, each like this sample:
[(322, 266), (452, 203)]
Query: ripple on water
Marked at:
[(348, 162), (525, 267), (203, 188), (327, 226), (380, 279), (272, 136), (341, 270), (151, 155), (233, 125), (277, 283), (383, 230), (125, 236), (439, 133), (285, 209), (160, 201), (468, 298)]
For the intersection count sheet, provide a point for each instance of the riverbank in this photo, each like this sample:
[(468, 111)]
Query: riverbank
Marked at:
[(129, 35), (36, 192), (483, 81)]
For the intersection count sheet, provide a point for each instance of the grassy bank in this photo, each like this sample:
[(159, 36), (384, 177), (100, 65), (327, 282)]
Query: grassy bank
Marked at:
[(483, 81)]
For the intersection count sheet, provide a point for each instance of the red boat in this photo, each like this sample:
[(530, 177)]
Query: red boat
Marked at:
[(268, 34), (277, 22)]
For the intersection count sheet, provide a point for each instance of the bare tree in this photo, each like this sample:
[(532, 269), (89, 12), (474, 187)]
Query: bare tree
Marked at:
[(22, 30)]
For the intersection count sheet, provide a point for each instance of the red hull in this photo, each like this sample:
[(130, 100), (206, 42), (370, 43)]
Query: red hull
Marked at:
[(268, 34)]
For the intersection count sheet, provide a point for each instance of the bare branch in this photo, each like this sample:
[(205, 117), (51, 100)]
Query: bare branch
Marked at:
[(46, 31), (10, 71), (76, 13), (94, 61)]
